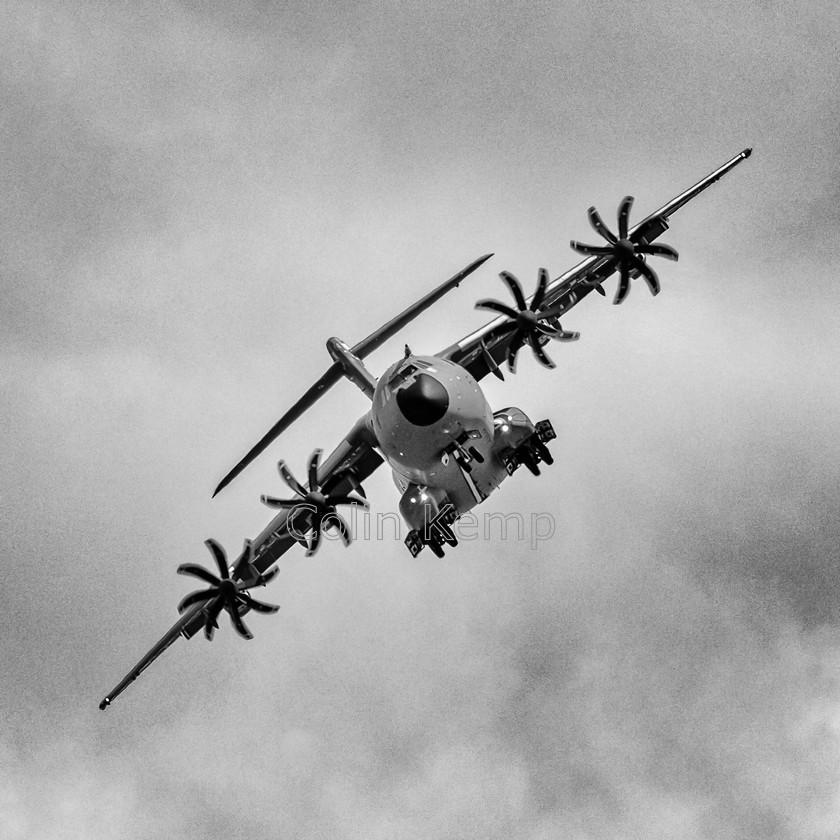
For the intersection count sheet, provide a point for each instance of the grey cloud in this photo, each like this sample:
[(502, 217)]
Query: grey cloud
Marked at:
[(196, 197)]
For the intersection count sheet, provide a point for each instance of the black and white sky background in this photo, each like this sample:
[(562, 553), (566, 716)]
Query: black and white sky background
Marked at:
[(196, 195)]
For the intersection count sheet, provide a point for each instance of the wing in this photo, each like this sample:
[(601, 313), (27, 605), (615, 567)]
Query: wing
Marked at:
[(352, 461), (484, 350)]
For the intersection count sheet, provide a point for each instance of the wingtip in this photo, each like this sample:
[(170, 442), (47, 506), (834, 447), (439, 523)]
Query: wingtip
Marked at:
[(227, 480), (747, 152), (480, 261), (457, 280)]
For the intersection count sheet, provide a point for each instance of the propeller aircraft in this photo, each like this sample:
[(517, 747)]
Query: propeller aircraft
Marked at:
[(429, 421)]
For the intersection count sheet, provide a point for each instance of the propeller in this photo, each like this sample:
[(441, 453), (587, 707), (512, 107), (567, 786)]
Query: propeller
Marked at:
[(318, 507), (525, 322), (225, 593), (625, 250)]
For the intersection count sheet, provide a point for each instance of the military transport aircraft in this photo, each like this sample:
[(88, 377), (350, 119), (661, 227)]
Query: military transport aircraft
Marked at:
[(429, 421)]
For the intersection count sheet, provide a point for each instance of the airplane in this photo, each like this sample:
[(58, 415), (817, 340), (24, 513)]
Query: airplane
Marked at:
[(428, 420)]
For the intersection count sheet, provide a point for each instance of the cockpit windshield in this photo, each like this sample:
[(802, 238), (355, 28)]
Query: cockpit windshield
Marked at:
[(402, 375)]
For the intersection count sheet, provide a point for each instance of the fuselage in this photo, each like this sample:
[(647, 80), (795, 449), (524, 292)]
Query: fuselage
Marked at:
[(421, 405), (439, 435)]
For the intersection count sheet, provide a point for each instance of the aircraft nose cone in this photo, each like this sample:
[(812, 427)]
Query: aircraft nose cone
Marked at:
[(424, 401)]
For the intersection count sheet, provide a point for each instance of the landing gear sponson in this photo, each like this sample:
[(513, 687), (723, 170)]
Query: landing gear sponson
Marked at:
[(441, 513)]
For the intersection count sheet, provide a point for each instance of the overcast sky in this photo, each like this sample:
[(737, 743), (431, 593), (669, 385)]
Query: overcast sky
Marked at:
[(196, 195)]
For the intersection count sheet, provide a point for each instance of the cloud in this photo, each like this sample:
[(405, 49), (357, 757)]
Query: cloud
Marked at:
[(196, 198)]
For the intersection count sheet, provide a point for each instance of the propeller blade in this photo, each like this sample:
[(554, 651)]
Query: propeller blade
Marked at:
[(649, 274), (336, 520), (492, 365), (624, 215), (506, 328), (260, 606), (196, 597), (313, 469), (238, 623), (349, 500), (497, 306), (542, 284), (558, 333), (591, 250), (246, 558), (219, 556), (542, 358), (212, 623), (200, 572), (515, 289), (355, 484), (553, 311), (623, 283), (284, 504), (315, 543), (658, 249), (291, 481), (262, 580), (267, 577), (598, 224), (513, 349)]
